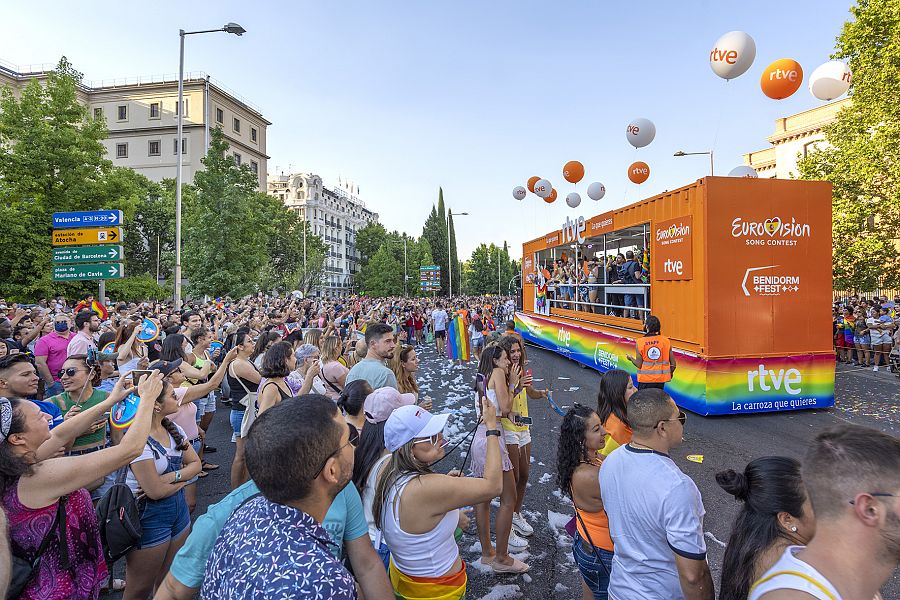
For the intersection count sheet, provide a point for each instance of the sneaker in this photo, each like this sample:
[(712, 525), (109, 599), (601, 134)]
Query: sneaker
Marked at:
[(521, 526), (875, 368), (516, 543)]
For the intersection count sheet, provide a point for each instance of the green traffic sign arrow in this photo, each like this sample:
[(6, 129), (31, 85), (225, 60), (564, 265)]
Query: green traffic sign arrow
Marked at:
[(83, 272), (80, 254)]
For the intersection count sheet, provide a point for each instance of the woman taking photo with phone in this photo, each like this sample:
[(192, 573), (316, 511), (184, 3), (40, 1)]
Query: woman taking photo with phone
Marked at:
[(130, 351), (39, 489), (578, 476), (419, 520), (496, 379)]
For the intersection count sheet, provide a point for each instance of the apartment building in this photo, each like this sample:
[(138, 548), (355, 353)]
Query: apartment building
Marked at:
[(335, 213), (141, 116), (795, 135)]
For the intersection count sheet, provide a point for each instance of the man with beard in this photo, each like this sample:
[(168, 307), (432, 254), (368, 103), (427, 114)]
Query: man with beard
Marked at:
[(87, 323), (299, 455), (381, 343), (852, 478)]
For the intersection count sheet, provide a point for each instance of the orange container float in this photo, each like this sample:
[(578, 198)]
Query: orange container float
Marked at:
[(738, 272)]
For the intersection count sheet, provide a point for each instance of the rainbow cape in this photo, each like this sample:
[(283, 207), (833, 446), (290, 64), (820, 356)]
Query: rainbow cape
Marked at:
[(449, 587), (457, 339), (645, 267)]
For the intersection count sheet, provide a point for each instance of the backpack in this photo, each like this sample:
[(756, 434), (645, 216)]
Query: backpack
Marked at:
[(119, 518)]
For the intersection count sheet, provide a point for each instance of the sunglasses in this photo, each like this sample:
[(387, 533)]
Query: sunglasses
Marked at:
[(681, 418), (435, 441), (70, 372)]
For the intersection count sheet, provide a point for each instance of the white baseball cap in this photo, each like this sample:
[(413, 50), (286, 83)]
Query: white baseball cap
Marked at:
[(411, 422)]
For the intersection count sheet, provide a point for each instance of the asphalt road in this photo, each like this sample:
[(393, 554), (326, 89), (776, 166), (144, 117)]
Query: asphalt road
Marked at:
[(863, 397)]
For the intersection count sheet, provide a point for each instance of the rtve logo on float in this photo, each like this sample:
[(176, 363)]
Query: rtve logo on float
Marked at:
[(573, 230), (768, 380)]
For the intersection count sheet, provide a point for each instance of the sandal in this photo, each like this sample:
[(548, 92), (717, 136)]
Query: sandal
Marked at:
[(209, 466), (117, 585), (517, 567), (202, 474)]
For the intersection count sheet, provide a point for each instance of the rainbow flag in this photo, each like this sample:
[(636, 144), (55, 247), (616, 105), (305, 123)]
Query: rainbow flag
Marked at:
[(645, 267), (457, 339), (449, 587)]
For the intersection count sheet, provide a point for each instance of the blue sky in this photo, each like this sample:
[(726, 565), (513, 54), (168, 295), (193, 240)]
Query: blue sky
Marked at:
[(404, 97)]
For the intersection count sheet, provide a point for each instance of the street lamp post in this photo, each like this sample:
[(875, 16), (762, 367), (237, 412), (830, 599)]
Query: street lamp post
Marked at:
[(712, 170), (179, 110), (449, 261)]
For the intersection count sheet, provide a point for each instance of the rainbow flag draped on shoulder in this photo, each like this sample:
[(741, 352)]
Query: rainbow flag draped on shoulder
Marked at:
[(457, 339), (407, 587)]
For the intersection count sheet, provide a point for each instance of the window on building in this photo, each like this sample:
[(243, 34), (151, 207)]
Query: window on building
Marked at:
[(220, 116), (184, 103), (122, 150), (98, 113), (154, 110), (254, 166), (122, 112), (154, 148), (236, 125), (183, 146), (253, 134), (237, 159)]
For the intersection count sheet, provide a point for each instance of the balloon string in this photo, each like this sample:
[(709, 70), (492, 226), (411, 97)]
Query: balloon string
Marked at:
[(721, 115)]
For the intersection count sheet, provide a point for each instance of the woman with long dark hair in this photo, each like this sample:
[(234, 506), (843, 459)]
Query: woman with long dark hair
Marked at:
[(243, 380), (581, 435), (776, 513), (616, 388), (501, 378), (36, 484), (263, 343), (351, 401), (174, 347)]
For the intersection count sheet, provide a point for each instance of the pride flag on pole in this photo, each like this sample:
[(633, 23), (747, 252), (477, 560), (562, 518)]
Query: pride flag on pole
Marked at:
[(457, 339), (645, 267)]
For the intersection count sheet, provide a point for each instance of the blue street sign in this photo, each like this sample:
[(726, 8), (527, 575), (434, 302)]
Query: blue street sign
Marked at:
[(94, 218)]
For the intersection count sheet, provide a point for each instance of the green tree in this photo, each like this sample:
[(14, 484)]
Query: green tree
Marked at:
[(862, 155), (224, 246), (53, 160), (368, 240), (454, 257), (286, 269), (385, 277)]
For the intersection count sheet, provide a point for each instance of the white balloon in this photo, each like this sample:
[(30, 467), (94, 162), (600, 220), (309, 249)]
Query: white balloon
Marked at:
[(732, 55), (519, 192), (573, 200), (596, 191), (743, 171), (830, 80), (640, 132), (543, 188)]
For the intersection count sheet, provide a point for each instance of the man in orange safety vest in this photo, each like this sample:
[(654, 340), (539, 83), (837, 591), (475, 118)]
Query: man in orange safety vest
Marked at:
[(653, 357)]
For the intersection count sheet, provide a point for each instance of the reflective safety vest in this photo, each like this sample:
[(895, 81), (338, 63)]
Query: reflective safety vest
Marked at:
[(654, 351)]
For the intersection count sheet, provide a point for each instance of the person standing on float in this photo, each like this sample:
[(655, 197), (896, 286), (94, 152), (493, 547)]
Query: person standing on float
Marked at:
[(653, 357)]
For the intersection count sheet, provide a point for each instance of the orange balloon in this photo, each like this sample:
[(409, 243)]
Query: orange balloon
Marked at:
[(549, 199), (531, 182), (638, 172), (781, 79), (573, 171)]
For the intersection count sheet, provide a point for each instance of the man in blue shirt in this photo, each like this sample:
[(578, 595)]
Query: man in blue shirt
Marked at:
[(274, 545)]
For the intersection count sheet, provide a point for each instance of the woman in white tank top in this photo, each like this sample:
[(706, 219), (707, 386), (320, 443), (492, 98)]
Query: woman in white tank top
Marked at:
[(418, 510)]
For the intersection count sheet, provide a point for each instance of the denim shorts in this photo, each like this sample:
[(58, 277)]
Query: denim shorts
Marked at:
[(592, 571), (236, 417), (164, 520), (862, 339)]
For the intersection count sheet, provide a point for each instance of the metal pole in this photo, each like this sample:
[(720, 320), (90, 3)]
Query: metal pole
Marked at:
[(498, 271), (449, 263), (712, 169), (103, 291), (206, 116), (305, 225), (405, 271), (157, 259), (178, 162)]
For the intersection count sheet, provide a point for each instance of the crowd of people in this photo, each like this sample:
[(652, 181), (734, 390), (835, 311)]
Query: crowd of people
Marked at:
[(338, 484), (866, 332)]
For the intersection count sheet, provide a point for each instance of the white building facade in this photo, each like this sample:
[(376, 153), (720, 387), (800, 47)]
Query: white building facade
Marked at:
[(335, 214)]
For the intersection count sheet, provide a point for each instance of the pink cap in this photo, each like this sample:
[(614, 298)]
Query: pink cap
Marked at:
[(382, 402)]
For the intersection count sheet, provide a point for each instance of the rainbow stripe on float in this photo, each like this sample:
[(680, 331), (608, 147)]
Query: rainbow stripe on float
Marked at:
[(701, 385)]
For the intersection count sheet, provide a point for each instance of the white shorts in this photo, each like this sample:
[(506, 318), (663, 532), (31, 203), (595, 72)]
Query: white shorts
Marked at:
[(881, 338), (517, 438)]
